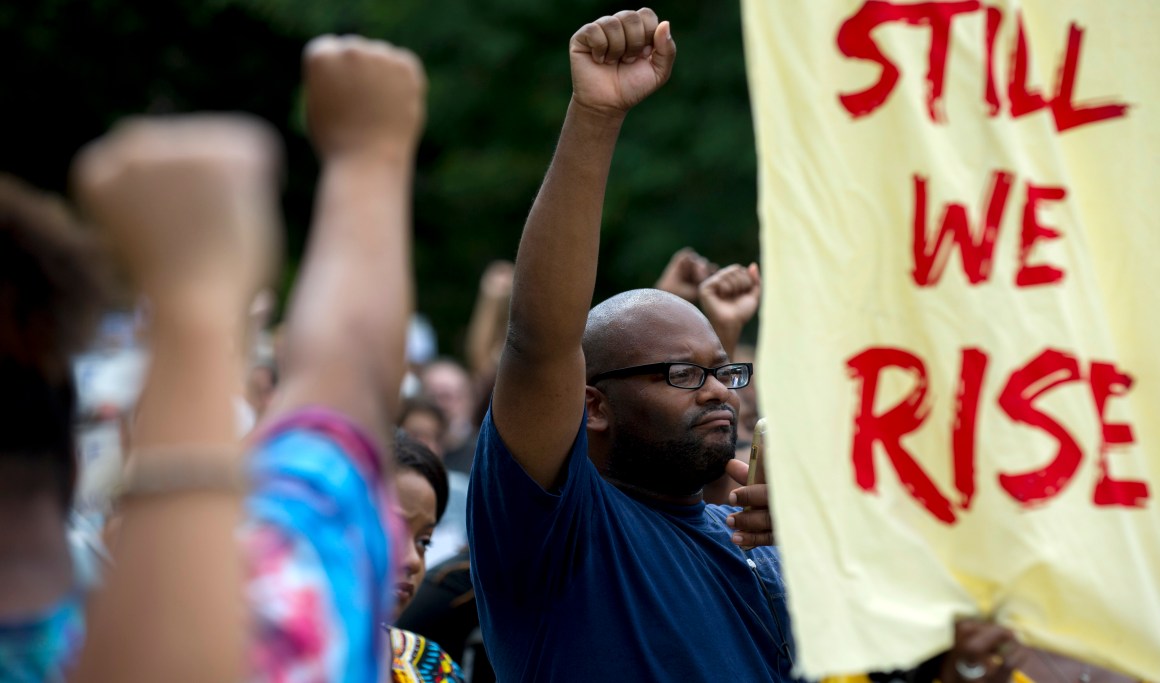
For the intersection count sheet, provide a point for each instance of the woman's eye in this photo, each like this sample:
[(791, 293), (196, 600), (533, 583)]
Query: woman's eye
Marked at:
[(423, 543)]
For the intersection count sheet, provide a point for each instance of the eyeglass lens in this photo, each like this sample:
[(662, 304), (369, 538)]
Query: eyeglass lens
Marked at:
[(692, 376)]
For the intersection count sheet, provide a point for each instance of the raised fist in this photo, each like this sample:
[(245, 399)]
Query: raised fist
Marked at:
[(684, 274), (620, 60), (363, 97), (730, 297), (496, 282), (189, 204)]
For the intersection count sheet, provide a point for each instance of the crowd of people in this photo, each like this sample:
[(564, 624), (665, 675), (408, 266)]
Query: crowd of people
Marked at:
[(329, 500)]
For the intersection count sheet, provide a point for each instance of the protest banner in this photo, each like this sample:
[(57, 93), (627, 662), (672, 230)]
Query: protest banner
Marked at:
[(958, 353)]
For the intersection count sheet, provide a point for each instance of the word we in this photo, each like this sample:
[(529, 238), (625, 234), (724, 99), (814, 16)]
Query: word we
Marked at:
[(977, 251)]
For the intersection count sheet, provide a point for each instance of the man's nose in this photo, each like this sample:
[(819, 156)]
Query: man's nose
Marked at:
[(714, 390)]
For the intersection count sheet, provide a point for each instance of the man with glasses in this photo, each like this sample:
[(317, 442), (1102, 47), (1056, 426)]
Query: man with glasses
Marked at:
[(593, 554)]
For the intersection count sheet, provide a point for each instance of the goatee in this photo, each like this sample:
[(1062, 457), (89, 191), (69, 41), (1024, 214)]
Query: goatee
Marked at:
[(679, 466)]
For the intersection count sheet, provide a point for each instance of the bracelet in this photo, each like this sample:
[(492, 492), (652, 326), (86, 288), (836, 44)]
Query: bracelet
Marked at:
[(174, 470)]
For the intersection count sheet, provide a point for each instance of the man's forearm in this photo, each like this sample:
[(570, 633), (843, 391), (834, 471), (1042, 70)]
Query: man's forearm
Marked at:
[(556, 264)]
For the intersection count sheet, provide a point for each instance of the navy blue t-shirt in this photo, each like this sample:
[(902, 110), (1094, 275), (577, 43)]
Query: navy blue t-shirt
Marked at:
[(591, 584)]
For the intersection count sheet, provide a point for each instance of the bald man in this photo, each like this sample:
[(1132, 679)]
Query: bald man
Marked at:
[(594, 556)]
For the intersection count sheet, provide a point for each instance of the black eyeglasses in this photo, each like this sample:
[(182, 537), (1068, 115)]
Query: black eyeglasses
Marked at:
[(686, 375)]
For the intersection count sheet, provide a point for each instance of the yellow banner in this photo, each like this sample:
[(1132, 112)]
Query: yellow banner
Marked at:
[(960, 345)]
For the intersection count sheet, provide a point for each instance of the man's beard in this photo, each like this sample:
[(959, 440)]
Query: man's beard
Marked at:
[(678, 466)]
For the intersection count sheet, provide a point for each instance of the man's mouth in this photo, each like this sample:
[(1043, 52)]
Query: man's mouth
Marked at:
[(716, 419)]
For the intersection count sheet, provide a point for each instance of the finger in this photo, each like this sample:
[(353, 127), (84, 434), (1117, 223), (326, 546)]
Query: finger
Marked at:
[(664, 51), (748, 540), (650, 21), (408, 58), (729, 282), (592, 39), (994, 642), (750, 521), (747, 496), (985, 641), (738, 470), (965, 628), (755, 274), (703, 270), (323, 43), (687, 261), (735, 278), (614, 32), (1016, 659), (634, 36), (92, 167)]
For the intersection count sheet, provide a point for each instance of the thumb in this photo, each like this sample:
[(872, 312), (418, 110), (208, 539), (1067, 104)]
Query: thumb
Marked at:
[(755, 274), (664, 51), (738, 471)]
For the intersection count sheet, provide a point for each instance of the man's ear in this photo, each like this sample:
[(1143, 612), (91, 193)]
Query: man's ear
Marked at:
[(597, 404)]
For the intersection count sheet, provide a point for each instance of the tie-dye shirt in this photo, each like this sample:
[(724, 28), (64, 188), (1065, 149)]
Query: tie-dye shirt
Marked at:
[(317, 541)]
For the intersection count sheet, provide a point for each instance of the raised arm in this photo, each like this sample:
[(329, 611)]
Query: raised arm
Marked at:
[(318, 534), (617, 62), (365, 106), (729, 299), (190, 205), (488, 325)]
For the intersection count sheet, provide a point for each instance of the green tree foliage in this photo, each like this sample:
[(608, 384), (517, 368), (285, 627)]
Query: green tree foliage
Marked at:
[(684, 173)]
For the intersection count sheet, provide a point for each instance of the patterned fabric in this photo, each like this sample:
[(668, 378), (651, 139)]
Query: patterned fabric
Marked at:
[(317, 543), (418, 660), (42, 650)]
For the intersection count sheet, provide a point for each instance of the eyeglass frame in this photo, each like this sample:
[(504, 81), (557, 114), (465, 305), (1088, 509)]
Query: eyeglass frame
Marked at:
[(665, 367)]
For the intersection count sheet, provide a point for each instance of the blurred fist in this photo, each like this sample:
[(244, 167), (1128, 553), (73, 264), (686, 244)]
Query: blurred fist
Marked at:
[(363, 96), (189, 204), (496, 282), (620, 60), (684, 274), (983, 652), (731, 295)]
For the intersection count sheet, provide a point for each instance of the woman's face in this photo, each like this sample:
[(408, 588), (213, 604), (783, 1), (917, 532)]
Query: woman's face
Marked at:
[(416, 507)]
